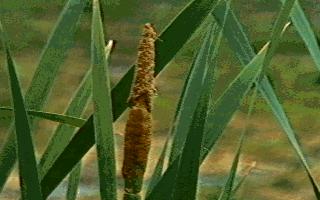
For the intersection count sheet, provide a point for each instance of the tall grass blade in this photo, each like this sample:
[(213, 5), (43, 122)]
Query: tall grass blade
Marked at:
[(278, 30), (228, 191), (239, 42), (303, 27), (102, 116), (63, 132), (28, 173), (51, 59), (187, 174), (6, 112), (54, 54), (70, 156), (243, 178), (167, 45), (74, 180), (270, 97), (234, 32), (191, 93), (156, 175), (217, 119)]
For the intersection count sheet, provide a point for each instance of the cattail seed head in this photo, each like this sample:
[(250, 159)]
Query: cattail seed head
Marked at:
[(143, 88), (139, 125)]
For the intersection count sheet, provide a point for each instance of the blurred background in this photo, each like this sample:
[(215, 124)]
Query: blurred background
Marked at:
[(277, 173)]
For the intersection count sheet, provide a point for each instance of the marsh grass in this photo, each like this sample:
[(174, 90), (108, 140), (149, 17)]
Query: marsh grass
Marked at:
[(200, 119)]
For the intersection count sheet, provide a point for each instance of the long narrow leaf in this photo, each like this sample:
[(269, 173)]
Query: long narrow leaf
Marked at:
[(218, 117), (167, 45), (73, 183), (101, 93), (28, 173), (64, 133), (71, 155), (277, 30), (187, 175), (51, 59), (156, 175), (239, 42), (303, 27), (6, 112), (228, 191), (191, 94)]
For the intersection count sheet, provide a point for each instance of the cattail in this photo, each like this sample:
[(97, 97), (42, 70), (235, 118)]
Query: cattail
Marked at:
[(139, 125)]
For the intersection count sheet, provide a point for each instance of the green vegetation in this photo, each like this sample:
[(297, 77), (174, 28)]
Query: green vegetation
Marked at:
[(234, 69)]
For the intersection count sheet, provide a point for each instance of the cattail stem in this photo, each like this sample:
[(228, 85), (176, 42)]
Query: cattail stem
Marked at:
[(139, 125)]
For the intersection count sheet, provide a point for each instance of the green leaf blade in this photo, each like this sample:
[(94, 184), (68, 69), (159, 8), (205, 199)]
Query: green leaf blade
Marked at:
[(219, 116), (102, 116), (84, 138), (303, 27), (226, 194), (28, 173), (71, 155), (74, 180), (240, 44), (51, 59), (6, 112), (63, 132), (190, 96)]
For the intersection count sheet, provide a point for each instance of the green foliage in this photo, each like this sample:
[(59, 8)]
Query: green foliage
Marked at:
[(199, 122), (102, 108), (28, 172)]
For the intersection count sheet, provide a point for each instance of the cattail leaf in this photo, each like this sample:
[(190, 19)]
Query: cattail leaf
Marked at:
[(228, 191), (6, 112), (186, 183), (178, 116), (54, 54), (28, 172), (51, 59), (194, 13), (187, 174), (271, 99), (239, 42), (74, 180), (191, 94), (218, 116), (70, 156), (194, 82), (243, 178), (63, 132), (303, 27), (101, 93), (278, 30), (157, 172)]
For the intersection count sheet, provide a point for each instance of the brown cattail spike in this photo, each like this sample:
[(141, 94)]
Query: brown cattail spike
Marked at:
[(143, 88), (139, 125)]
